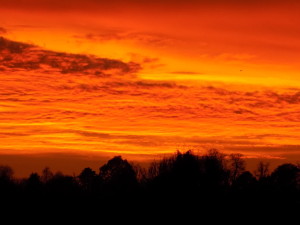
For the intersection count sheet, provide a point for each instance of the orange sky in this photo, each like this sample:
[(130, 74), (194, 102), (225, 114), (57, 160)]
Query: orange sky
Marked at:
[(144, 79)]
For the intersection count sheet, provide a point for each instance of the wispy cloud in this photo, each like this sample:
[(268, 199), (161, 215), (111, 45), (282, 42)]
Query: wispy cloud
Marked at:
[(144, 38), (186, 72)]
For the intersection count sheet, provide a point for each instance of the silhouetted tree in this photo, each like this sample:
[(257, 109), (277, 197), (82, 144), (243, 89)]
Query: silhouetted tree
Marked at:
[(189, 174), (61, 185), (262, 171), (215, 169), (245, 182), (118, 175), (286, 176), (34, 184), (141, 173), (237, 166), (178, 172), (7, 185), (153, 170), (34, 179), (46, 175), (298, 177), (6, 173), (87, 179)]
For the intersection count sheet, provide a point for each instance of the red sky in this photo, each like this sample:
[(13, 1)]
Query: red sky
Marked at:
[(140, 79)]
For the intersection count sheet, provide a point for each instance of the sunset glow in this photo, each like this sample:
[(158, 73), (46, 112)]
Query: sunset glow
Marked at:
[(141, 79)]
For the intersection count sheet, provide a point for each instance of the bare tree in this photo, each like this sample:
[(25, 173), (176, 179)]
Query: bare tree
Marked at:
[(46, 175), (141, 173), (6, 172), (262, 170), (237, 165), (153, 170)]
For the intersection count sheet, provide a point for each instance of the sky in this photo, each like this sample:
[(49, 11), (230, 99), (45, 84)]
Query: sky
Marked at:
[(85, 80)]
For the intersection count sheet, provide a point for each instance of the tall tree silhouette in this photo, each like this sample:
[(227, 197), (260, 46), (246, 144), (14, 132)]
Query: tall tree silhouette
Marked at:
[(46, 175), (178, 172), (237, 166), (286, 177), (118, 175), (6, 173), (34, 184), (262, 171), (216, 172), (87, 179), (189, 173), (7, 185), (245, 182)]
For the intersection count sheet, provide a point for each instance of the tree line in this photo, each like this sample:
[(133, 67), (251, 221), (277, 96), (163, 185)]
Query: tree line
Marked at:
[(212, 180)]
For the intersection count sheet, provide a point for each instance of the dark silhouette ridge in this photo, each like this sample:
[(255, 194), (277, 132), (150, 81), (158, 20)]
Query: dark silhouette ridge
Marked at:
[(185, 183)]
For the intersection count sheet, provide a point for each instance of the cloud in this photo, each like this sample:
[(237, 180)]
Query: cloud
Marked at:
[(290, 98), (186, 72), (146, 38), (146, 84), (258, 98), (271, 149), (150, 60), (125, 87), (10, 134), (105, 35), (16, 55), (94, 134), (156, 140), (12, 47), (3, 30), (244, 111)]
